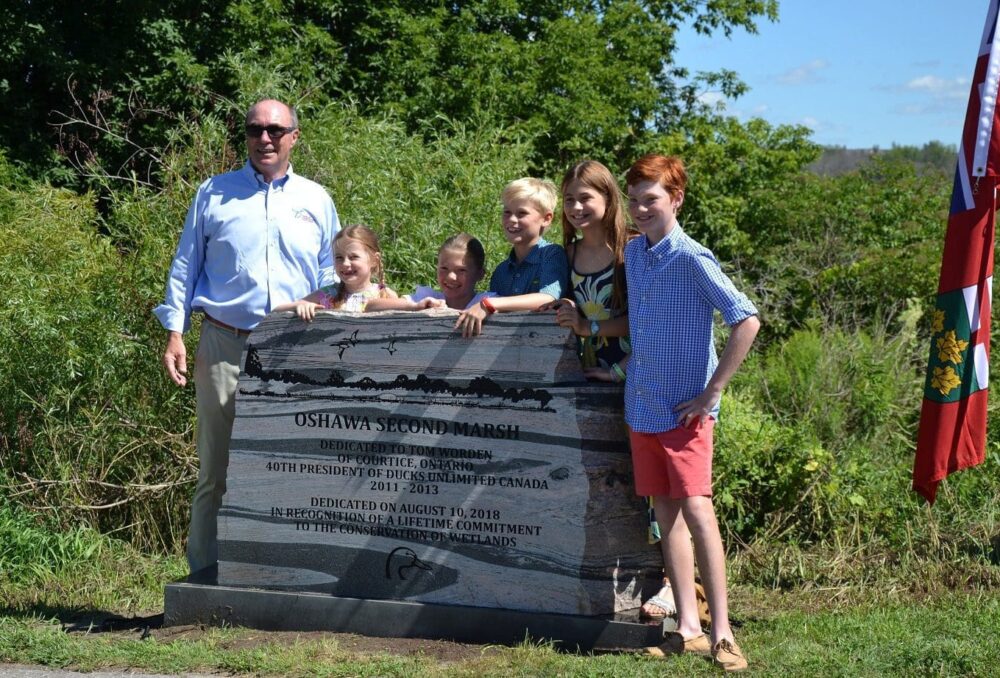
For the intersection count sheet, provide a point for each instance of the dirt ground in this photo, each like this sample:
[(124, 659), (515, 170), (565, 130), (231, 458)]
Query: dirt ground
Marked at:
[(440, 650), (142, 627)]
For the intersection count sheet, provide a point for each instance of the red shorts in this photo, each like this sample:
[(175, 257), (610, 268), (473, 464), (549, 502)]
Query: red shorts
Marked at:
[(674, 464)]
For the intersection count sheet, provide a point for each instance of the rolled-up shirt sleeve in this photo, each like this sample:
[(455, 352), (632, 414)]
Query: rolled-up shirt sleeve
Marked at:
[(719, 291), (553, 273)]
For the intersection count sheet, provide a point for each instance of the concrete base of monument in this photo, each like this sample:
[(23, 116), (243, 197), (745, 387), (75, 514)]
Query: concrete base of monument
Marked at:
[(198, 599)]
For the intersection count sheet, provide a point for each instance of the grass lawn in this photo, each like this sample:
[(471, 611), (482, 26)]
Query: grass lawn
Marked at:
[(797, 633)]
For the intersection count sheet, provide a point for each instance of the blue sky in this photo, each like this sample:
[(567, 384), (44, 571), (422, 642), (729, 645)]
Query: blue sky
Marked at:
[(859, 74)]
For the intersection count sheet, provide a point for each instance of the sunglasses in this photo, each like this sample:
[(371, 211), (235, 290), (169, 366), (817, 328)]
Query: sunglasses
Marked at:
[(273, 131)]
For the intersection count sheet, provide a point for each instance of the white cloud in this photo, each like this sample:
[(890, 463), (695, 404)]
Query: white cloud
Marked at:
[(742, 114), (714, 99), (942, 88), (826, 127), (930, 107), (806, 74), (931, 95)]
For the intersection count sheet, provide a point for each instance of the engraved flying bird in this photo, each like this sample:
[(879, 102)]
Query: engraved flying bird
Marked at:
[(347, 343)]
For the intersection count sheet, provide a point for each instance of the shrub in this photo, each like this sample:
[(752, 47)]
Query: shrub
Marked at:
[(82, 425), (816, 437)]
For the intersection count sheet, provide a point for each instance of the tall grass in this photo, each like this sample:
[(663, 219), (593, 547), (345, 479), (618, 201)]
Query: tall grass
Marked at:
[(50, 563), (29, 551), (82, 431), (415, 191)]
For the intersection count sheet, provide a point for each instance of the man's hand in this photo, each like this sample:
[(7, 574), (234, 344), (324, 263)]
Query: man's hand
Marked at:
[(175, 358), (737, 346), (470, 321)]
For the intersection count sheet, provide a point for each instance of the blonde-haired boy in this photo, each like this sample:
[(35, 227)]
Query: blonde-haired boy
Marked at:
[(539, 191), (536, 271)]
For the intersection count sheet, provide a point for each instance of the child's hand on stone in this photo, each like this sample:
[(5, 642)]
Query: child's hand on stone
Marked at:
[(429, 303), (470, 321), (306, 310), (567, 315), (598, 374)]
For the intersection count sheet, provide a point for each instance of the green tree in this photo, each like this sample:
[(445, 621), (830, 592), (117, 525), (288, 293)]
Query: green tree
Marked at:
[(578, 77), (851, 250), (734, 170), (581, 78), (933, 156), (126, 72)]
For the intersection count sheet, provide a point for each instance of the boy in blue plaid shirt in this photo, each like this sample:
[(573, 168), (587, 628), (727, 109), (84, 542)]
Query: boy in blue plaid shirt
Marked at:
[(672, 392)]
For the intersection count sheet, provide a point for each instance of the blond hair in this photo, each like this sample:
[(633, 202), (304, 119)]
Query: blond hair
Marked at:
[(541, 192), (366, 236)]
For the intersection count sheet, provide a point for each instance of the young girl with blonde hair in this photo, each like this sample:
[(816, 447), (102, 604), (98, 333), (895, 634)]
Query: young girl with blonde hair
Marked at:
[(357, 261)]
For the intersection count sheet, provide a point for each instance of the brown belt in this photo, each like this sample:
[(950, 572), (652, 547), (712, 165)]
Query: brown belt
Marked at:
[(228, 328)]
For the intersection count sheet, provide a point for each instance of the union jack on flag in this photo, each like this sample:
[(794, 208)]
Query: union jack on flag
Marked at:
[(952, 434)]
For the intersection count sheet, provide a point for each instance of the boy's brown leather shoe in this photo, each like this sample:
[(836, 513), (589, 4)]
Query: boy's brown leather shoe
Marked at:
[(676, 644), (728, 656)]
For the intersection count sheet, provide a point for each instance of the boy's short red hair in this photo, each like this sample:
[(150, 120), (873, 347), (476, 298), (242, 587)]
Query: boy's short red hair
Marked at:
[(667, 170)]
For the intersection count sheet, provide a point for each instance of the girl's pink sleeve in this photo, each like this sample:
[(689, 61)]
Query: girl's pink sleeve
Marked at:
[(322, 298)]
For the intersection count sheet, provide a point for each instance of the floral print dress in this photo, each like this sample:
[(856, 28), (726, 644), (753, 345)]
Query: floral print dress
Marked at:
[(355, 302), (592, 293)]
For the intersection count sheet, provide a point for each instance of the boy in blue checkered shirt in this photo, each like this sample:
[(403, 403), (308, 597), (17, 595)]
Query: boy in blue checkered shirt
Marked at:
[(672, 392), (536, 272)]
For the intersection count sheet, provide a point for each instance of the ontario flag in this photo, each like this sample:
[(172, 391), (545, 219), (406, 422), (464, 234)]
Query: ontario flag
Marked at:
[(952, 432)]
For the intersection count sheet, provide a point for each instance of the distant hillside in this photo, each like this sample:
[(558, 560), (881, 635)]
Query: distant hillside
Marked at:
[(932, 157)]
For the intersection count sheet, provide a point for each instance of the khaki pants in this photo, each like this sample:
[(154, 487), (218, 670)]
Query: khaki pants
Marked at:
[(216, 373)]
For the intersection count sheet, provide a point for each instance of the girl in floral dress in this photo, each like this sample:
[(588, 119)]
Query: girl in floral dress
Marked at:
[(357, 260), (594, 236)]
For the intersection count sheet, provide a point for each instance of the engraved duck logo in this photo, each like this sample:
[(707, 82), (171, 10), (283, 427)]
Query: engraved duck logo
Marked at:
[(402, 559)]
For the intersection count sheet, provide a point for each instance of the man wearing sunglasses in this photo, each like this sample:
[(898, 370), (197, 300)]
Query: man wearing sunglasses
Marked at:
[(254, 238)]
